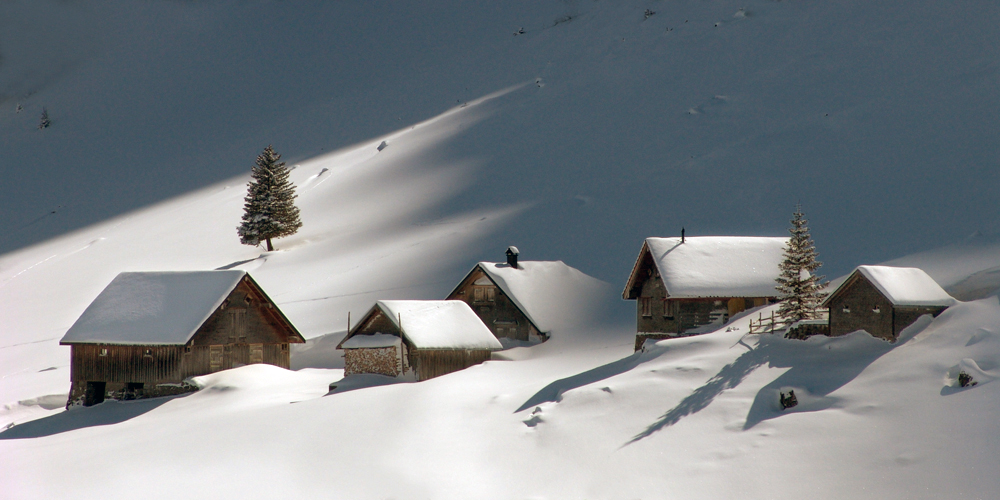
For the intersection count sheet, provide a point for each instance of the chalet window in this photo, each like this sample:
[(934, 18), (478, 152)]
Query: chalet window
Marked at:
[(104, 352), (876, 310), (484, 294), (187, 349), (238, 322), (284, 347), (668, 309), (256, 353), (215, 357), (147, 353), (847, 309), (645, 303)]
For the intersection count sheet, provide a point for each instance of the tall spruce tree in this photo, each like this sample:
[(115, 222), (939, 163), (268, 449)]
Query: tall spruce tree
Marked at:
[(800, 291), (269, 210)]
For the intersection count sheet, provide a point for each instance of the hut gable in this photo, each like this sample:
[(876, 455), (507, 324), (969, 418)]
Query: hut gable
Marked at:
[(147, 332), (884, 300), (525, 302)]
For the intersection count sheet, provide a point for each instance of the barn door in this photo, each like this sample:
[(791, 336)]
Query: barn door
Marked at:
[(215, 358)]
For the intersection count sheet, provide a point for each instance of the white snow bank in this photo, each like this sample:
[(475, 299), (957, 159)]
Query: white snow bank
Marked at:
[(162, 308), (371, 341), (906, 286), (550, 293), (439, 324), (718, 266)]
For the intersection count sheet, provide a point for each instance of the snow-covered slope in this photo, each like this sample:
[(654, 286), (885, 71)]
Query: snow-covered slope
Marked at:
[(595, 128)]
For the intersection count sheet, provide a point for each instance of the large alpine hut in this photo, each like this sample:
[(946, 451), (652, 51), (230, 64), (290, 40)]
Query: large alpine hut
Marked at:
[(149, 331), (683, 284)]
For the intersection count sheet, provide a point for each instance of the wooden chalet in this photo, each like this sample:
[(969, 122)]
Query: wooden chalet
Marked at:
[(147, 332), (421, 339), (884, 300), (682, 285)]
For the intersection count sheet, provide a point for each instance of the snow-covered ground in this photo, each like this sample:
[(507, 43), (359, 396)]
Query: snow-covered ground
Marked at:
[(595, 128)]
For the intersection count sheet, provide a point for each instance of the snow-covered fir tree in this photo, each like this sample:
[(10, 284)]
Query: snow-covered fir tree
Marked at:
[(800, 290), (269, 210)]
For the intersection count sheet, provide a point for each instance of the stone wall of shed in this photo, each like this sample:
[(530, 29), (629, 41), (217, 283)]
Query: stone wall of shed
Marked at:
[(379, 360), (854, 308)]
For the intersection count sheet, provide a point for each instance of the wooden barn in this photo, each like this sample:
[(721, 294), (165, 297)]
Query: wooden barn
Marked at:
[(523, 301), (682, 285), (147, 332), (884, 300), (421, 339)]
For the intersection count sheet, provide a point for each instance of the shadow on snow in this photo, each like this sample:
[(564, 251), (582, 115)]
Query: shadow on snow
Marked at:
[(106, 413)]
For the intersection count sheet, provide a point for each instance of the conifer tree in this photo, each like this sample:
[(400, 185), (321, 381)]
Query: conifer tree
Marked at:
[(800, 291), (269, 210)]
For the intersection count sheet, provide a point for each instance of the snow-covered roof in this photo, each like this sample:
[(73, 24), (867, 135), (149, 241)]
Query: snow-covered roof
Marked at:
[(439, 324), (716, 266), (904, 286), (156, 308), (539, 288), (371, 341)]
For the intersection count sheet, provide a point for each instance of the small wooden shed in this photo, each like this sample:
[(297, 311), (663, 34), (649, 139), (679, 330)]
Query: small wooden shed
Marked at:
[(883, 300), (421, 339), (683, 284), (148, 331)]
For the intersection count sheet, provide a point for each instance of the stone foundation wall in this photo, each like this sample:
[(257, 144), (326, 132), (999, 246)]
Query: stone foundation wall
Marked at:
[(118, 391), (380, 360)]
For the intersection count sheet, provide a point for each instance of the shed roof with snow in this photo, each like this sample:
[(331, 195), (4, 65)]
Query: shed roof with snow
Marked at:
[(155, 308), (427, 324), (902, 286), (710, 266)]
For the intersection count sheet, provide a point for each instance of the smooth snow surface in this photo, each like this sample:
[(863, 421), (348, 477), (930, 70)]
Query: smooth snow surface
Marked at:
[(551, 294), (439, 324), (153, 308), (906, 286), (718, 266), (368, 341)]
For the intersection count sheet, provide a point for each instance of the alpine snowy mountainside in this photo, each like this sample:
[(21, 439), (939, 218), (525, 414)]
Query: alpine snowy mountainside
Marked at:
[(572, 129)]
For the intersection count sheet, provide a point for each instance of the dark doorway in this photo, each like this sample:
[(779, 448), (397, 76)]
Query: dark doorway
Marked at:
[(95, 393), (133, 390)]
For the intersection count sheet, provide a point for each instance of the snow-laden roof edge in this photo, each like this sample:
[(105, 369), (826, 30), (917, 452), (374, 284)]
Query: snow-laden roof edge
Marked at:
[(712, 266), (130, 310), (433, 324), (902, 286)]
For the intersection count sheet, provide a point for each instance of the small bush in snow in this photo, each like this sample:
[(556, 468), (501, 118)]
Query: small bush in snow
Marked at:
[(44, 122), (965, 380), (789, 400)]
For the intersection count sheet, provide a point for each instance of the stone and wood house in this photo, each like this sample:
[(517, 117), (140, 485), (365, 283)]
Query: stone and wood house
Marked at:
[(682, 285), (883, 300), (418, 339), (149, 331)]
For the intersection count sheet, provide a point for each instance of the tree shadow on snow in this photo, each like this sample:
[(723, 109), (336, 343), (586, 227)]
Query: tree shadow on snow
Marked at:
[(728, 377), (106, 413), (553, 392), (816, 368)]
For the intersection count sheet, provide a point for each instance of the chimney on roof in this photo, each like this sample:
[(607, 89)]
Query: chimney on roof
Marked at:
[(682, 235), (512, 256)]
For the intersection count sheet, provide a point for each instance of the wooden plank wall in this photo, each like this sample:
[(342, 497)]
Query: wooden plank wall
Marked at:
[(126, 363), (434, 363)]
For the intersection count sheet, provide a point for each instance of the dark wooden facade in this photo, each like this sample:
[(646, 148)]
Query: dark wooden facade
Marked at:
[(859, 305), (499, 313), (408, 360), (659, 316), (246, 329)]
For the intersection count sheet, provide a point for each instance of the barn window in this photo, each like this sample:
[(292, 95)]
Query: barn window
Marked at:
[(187, 349), (248, 299), (104, 352), (876, 309), (147, 353), (847, 309), (646, 304), (668, 309)]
